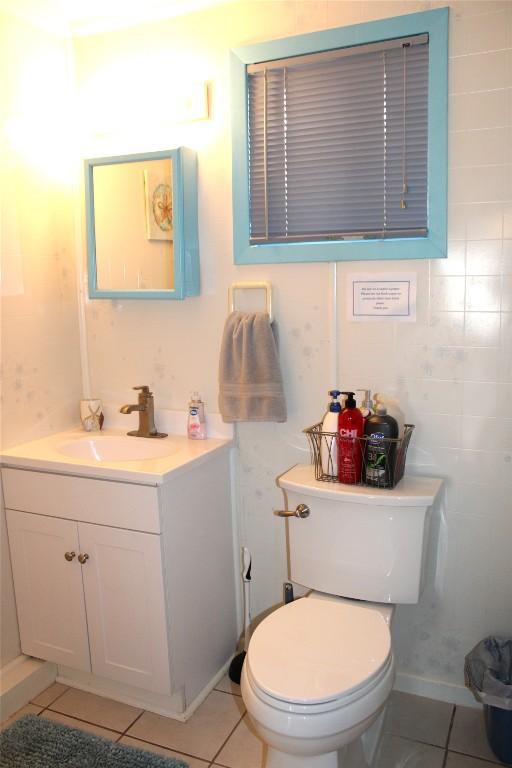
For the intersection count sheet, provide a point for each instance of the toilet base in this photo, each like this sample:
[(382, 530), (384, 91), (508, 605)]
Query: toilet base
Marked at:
[(359, 753), (352, 755), (276, 759)]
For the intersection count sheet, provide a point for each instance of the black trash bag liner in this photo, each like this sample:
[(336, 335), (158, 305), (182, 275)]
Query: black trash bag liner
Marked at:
[(488, 672)]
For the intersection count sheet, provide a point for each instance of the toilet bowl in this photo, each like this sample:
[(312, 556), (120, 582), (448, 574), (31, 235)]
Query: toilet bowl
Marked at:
[(316, 676)]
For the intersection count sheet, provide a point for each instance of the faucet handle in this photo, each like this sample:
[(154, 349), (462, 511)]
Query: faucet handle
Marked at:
[(144, 389)]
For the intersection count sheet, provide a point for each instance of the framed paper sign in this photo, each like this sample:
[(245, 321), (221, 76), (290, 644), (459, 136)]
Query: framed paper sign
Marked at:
[(158, 203), (384, 296)]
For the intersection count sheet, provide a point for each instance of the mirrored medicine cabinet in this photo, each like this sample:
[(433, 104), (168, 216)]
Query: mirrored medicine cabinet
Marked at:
[(141, 216)]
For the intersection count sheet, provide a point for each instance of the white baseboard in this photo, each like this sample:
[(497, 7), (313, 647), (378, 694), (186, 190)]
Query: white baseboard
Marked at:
[(172, 706), (435, 689), (21, 680), (206, 690)]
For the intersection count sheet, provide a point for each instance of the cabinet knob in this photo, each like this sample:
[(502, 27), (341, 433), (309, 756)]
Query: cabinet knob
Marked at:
[(82, 559), (69, 556)]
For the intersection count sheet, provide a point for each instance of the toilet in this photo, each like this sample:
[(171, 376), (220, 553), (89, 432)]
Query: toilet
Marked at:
[(319, 670)]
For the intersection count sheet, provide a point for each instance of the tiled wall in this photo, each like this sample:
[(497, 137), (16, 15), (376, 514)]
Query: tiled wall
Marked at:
[(451, 370), (40, 351)]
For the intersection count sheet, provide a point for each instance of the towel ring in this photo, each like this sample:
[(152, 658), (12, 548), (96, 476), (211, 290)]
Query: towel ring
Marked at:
[(264, 285)]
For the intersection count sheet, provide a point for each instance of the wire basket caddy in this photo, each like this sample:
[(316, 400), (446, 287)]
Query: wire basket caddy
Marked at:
[(382, 458)]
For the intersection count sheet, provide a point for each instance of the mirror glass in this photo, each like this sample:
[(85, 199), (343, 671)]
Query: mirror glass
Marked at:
[(133, 225), (142, 239)]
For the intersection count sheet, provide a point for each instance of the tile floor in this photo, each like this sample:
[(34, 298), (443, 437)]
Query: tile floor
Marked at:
[(419, 732)]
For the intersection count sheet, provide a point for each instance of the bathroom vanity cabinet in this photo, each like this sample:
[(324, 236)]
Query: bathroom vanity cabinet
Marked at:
[(128, 588), (91, 597)]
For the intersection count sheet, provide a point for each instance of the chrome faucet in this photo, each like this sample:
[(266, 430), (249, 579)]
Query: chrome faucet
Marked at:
[(146, 409)]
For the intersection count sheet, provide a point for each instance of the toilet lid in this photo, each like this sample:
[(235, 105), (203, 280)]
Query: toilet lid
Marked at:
[(312, 650)]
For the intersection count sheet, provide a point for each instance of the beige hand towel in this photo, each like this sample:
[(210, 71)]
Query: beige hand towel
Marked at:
[(250, 382)]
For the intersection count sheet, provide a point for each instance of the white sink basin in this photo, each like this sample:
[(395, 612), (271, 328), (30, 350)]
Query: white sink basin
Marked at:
[(116, 448)]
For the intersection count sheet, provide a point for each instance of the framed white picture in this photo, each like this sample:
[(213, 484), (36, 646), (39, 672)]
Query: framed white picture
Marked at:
[(158, 204)]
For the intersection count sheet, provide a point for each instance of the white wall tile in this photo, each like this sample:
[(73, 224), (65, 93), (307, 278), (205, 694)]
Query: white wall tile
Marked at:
[(485, 146), (446, 328), (484, 221), (455, 263), (311, 16), (507, 218), (479, 72), (482, 32), (447, 293), (480, 398), (484, 257), (484, 466), (501, 562), (483, 293), (483, 183), (479, 110), (343, 12), (481, 364), (478, 7), (482, 329), (435, 397), (490, 434), (506, 303)]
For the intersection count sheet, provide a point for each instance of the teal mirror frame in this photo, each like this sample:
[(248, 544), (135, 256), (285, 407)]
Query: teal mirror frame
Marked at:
[(185, 238), (435, 23)]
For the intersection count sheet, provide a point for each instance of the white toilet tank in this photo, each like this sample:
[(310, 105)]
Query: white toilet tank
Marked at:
[(359, 542)]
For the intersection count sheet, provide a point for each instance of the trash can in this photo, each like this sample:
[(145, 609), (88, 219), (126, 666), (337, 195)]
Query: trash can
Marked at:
[(488, 673)]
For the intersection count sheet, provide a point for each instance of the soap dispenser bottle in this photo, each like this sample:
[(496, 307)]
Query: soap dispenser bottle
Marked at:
[(329, 447), (351, 427), (196, 424), (381, 431), (366, 406)]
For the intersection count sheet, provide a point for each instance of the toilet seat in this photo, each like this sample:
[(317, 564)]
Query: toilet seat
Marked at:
[(317, 655)]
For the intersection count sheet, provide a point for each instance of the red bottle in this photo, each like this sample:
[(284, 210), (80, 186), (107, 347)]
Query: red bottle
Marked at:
[(351, 428)]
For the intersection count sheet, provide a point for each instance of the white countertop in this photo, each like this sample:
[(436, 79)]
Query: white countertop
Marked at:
[(44, 456)]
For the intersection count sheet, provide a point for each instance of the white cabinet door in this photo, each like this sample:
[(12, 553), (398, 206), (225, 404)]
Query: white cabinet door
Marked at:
[(48, 587), (125, 606)]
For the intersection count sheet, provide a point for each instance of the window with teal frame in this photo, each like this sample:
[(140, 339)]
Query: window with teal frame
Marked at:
[(340, 143)]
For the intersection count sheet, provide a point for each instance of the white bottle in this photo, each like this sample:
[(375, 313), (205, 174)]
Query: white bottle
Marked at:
[(329, 444), (196, 425)]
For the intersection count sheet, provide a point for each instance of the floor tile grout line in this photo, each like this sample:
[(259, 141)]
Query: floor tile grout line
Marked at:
[(120, 734), (228, 738), (416, 741), (169, 749), (124, 733), (131, 724), (492, 759), (450, 727), (229, 693), (52, 701), (80, 720)]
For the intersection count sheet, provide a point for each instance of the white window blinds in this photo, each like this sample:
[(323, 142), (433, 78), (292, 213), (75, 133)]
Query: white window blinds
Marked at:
[(338, 144)]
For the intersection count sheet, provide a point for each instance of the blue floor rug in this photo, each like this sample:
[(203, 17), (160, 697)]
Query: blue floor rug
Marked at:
[(33, 742)]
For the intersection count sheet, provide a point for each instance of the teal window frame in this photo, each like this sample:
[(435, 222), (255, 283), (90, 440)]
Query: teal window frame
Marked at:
[(435, 24)]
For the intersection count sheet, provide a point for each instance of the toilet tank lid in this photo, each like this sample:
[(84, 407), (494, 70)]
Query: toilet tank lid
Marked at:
[(411, 491)]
